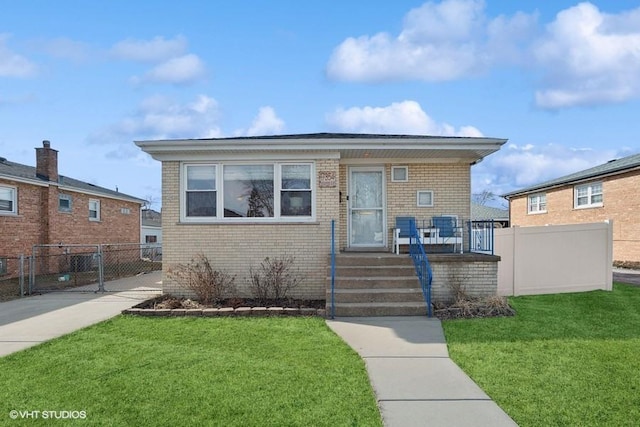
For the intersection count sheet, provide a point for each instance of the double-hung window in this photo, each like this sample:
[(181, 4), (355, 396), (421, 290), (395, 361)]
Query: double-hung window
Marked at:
[(242, 191), (537, 203), (201, 191), (295, 190), (8, 200), (94, 210), (588, 195)]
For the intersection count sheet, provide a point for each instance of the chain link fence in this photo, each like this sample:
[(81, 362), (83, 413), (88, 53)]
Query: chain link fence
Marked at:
[(14, 277), (88, 267)]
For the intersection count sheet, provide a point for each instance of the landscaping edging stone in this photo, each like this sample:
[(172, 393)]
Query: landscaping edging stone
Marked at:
[(227, 312)]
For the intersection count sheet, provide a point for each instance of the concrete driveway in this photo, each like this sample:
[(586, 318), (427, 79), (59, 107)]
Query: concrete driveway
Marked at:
[(28, 321)]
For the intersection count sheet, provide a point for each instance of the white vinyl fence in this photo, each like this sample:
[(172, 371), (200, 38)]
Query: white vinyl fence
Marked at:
[(555, 258)]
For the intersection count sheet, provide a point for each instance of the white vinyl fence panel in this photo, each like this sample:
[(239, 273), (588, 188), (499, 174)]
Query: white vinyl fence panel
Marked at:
[(554, 258)]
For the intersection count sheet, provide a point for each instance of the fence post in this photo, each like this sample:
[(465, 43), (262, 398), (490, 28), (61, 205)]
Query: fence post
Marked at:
[(100, 270), (21, 275), (32, 272)]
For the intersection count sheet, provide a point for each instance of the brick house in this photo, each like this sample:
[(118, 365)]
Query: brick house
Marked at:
[(604, 192), (38, 206), (239, 200)]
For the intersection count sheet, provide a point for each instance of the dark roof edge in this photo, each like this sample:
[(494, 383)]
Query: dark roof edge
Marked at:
[(548, 185)]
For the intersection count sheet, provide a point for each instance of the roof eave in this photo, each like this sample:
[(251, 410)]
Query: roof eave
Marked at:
[(474, 148)]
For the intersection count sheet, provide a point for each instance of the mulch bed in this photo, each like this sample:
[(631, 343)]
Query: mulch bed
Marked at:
[(472, 308)]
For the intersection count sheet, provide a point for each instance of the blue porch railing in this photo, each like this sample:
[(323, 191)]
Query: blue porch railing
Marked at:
[(421, 263), (481, 236), (333, 268)]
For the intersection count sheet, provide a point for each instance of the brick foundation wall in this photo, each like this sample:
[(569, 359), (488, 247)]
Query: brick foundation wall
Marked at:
[(476, 275), (620, 204), (234, 247)]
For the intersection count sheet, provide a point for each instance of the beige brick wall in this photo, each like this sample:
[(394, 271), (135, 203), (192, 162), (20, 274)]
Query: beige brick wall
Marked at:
[(621, 201), (235, 247), (476, 279), (450, 183)]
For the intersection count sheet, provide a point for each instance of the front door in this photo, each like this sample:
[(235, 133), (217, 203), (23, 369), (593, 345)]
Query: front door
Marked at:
[(366, 207)]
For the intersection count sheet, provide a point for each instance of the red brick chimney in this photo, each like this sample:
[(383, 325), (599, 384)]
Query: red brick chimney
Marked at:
[(47, 162)]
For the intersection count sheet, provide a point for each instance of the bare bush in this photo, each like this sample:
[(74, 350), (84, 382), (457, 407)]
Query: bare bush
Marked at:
[(274, 279), (457, 285), (209, 285)]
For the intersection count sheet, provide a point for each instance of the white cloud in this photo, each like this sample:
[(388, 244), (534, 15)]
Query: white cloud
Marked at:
[(172, 63), (406, 117), (180, 70), (157, 49), (13, 64), (515, 167), (589, 57), (439, 41), (266, 122), (159, 117)]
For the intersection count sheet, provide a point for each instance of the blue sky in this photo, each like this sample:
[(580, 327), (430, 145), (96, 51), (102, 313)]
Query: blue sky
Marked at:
[(560, 80)]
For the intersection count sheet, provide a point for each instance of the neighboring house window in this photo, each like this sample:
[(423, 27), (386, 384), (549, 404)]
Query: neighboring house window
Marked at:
[(150, 239), (425, 198), (64, 203), (201, 191), (588, 195), (94, 210), (3, 266), (8, 200), (234, 191), (399, 173), (125, 211), (537, 203)]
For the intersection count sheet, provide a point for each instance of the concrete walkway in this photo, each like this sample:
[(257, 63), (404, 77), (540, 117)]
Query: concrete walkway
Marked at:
[(415, 381), (28, 321)]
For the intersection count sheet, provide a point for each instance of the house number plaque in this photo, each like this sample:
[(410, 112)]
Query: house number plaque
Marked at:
[(327, 179)]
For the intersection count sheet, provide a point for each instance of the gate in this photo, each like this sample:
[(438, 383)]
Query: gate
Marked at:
[(14, 273), (58, 267), (88, 267)]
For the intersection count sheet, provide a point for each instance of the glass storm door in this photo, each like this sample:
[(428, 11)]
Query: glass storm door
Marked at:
[(366, 207)]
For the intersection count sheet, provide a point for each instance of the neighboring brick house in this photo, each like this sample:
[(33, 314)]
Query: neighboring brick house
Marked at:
[(239, 200), (151, 231), (38, 206), (605, 192)]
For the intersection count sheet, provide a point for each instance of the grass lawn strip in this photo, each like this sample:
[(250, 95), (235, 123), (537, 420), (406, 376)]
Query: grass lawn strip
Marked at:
[(194, 371), (565, 359)]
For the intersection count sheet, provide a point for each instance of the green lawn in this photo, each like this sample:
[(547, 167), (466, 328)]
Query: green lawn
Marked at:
[(193, 371), (563, 360)]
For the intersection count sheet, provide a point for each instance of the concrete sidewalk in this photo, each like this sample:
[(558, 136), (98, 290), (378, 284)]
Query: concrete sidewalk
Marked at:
[(28, 321), (415, 381)]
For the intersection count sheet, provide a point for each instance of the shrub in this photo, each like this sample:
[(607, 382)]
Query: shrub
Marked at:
[(209, 285), (274, 279)]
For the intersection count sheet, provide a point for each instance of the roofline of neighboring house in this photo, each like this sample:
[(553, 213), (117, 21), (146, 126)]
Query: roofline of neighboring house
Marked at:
[(558, 184), (471, 149), (63, 187)]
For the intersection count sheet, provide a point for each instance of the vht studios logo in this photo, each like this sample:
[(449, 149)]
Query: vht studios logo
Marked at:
[(48, 415)]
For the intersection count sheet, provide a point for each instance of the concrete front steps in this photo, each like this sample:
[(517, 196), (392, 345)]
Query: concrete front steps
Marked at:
[(375, 284)]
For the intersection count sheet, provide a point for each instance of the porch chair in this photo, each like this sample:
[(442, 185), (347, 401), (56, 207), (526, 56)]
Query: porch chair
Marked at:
[(447, 226), (402, 232)]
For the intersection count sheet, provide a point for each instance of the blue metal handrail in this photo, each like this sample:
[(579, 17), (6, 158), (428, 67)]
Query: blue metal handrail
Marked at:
[(421, 263), (333, 268)]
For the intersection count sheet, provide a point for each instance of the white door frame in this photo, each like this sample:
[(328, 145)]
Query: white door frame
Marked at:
[(371, 168)]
